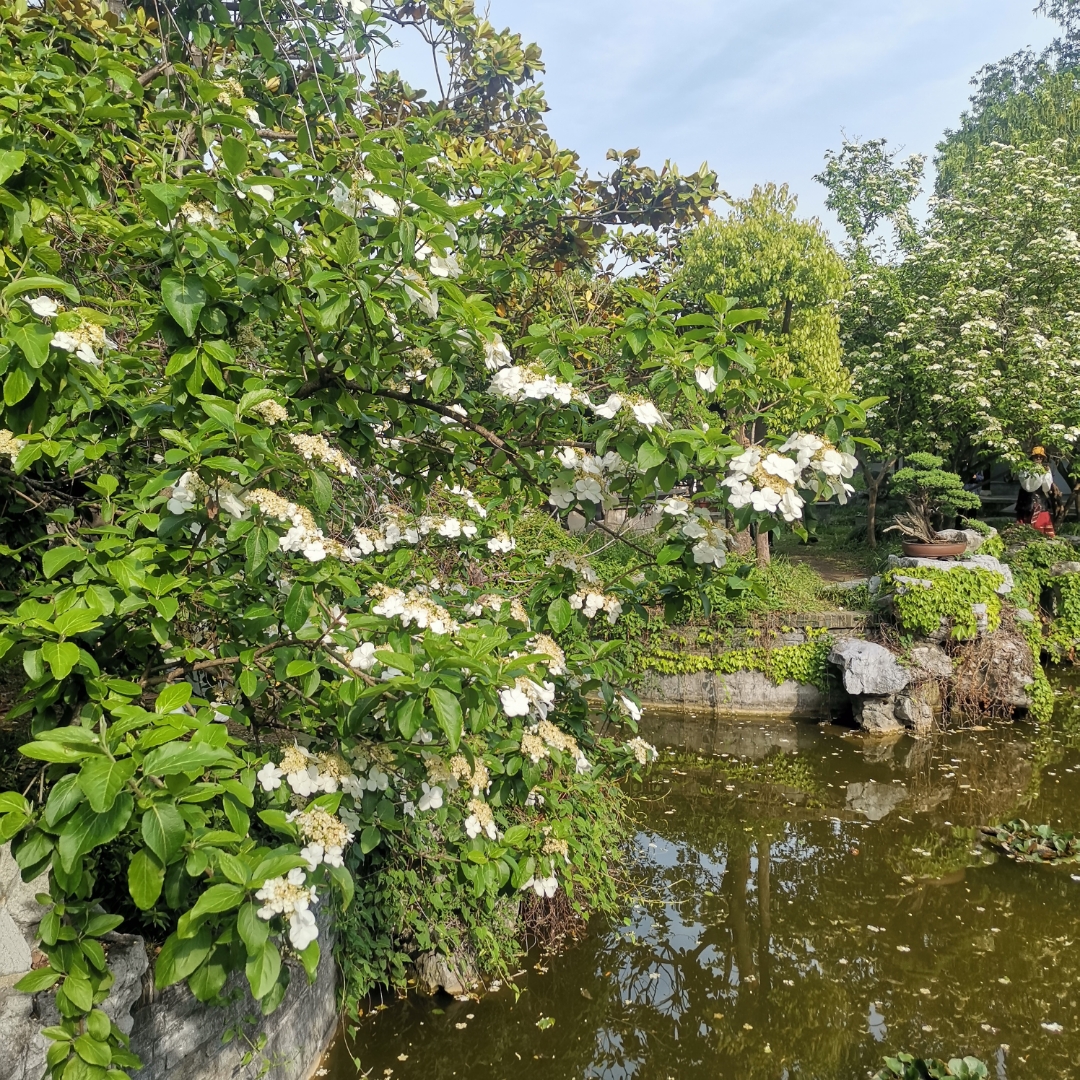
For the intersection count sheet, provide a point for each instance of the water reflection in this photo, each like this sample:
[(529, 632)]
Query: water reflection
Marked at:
[(808, 901)]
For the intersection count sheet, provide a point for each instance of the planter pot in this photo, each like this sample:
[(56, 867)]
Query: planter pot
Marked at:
[(944, 550)]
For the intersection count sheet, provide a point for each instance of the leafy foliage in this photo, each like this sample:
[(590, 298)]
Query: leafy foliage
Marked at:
[(907, 1067), (931, 493), (924, 600), (1032, 843)]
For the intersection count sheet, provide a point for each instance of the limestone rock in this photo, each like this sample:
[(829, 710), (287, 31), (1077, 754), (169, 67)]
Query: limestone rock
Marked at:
[(1024, 615), (1062, 568), (931, 661), (973, 539), (15, 955), (968, 562), (868, 668), (876, 715), (915, 713), (876, 801), (455, 974), (17, 896)]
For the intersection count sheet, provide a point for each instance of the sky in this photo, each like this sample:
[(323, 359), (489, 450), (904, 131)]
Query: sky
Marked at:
[(760, 90)]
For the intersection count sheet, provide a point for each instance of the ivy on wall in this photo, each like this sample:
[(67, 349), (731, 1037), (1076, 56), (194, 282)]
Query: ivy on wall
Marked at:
[(924, 600)]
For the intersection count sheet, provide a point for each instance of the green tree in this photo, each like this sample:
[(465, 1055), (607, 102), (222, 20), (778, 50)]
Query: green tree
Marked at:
[(768, 258)]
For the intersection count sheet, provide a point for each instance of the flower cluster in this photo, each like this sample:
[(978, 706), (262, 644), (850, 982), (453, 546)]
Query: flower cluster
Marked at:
[(474, 776), (496, 354), (545, 887), (316, 448), (532, 383), (711, 541), (290, 896), (431, 798), (527, 696), (643, 751), (643, 411), (501, 542), (270, 412), (413, 607), (590, 480), (496, 604), (591, 602), (768, 481), (10, 445), (303, 535), (541, 738), (326, 836), (545, 645), (84, 340), (481, 820)]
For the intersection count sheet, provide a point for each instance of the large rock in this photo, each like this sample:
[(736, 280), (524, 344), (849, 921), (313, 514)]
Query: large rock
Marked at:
[(973, 539), (931, 662), (913, 711), (868, 668), (1062, 568), (455, 974), (968, 562), (877, 715)]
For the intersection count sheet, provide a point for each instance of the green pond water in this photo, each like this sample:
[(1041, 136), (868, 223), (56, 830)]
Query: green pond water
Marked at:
[(809, 900)]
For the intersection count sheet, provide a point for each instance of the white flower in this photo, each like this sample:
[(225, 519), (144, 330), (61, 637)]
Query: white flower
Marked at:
[(741, 492), (363, 658), (303, 929), (514, 701), (314, 855), (546, 887), (675, 507), (791, 505), (765, 501), (445, 266), (496, 354), (432, 799), (231, 504), (589, 488), (358, 7), (743, 466), (704, 552), (647, 414), (501, 542), (784, 467), (610, 407), (561, 497), (631, 708), (383, 203), (264, 191), (270, 777), (450, 527), (44, 306), (706, 379)]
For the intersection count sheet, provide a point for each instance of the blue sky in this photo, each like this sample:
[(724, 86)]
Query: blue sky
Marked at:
[(761, 89)]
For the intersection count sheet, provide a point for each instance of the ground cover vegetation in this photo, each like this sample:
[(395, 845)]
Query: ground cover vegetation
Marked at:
[(288, 349)]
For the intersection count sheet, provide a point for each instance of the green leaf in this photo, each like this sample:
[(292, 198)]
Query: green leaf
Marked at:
[(559, 614), (344, 881), (79, 992), (99, 1025), (103, 779), (369, 839), (21, 286), (174, 696), (253, 930), (163, 830), (309, 957), (218, 898), (298, 605), (262, 970), (179, 957), (670, 553), (181, 757), (89, 1049), (649, 456), (146, 876), (61, 656), (17, 385), (34, 981), (235, 154), (88, 829), (184, 297), (55, 559), (448, 712), (76, 621), (33, 339), (11, 161)]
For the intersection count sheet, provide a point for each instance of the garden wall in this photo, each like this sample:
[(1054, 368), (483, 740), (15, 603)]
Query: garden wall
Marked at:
[(176, 1037)]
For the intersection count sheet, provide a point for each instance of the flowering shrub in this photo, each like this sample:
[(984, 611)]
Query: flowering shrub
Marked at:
[(252, 360)]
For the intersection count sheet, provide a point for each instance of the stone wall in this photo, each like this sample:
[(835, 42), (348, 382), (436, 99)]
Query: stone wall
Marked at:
[(175, 1036)]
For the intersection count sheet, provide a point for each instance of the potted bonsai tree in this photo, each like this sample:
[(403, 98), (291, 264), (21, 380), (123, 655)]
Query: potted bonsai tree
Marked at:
[(931, 493)]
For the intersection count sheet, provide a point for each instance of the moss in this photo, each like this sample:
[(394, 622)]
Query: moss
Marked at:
[(950, 597), (806, 663)]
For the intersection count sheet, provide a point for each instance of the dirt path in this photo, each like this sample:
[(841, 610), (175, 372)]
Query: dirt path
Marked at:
[(829, 567)]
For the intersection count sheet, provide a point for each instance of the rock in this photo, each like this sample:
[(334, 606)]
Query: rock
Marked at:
[(868, 668), (979, 562), (455, 974), (1000, 679), (876, 715), (931, 661), (22, 1046), (847, 586), (913, 712), (982, 618), (1024, 616), (874, 584), (1062, 568), (15, 955), (973, 539), (129, 963), (875, 800), (17, 897)]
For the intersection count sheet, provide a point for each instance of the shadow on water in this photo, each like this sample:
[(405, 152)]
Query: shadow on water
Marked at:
[(809, 900)]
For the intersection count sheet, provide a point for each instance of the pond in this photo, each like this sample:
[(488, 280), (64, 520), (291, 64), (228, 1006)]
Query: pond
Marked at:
[(808, 900)]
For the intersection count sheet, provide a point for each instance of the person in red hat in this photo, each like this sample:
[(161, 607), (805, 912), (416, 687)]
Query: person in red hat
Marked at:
[(1039, 496)]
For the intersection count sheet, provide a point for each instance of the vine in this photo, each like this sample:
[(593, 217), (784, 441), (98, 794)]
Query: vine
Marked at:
[(806, 663), (924, 600)]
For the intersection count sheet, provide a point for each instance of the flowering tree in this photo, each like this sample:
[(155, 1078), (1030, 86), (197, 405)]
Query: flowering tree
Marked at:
[(973, 338), (253, 379)]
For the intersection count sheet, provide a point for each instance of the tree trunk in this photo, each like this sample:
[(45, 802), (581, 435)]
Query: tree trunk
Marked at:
[(764, 555), (874, 486)]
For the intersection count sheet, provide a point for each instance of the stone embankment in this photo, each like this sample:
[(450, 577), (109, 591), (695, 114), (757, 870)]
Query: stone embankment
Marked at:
[(176, 1037)]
